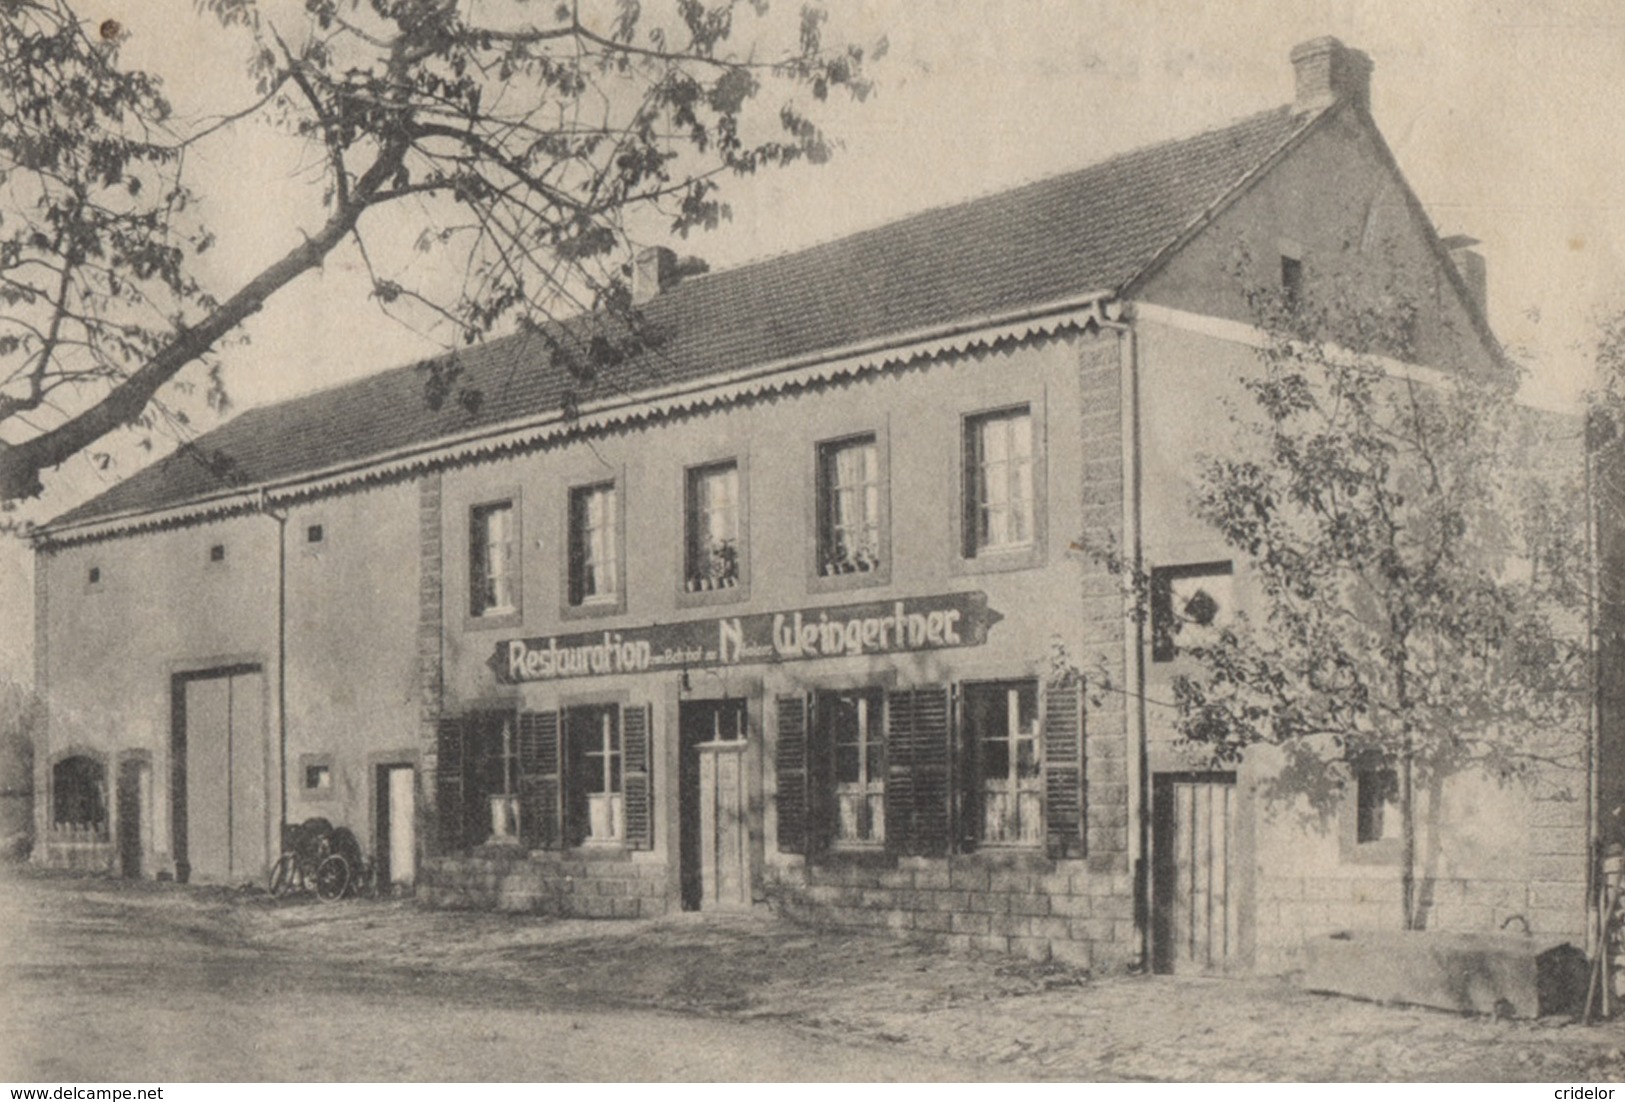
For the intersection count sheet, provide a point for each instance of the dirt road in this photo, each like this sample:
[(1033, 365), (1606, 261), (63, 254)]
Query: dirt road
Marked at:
[(102, 980)]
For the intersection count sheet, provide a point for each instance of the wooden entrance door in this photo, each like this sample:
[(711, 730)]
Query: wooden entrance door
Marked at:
[(222, 820), (1195, 887), (132, 804), (395, 848), (713, 796)]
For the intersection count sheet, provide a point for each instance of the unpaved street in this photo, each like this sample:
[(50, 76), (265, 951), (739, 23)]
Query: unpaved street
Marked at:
[(103, 980)]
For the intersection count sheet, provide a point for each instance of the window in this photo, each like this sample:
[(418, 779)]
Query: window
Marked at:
[(852, 728), (79, 796), (1291, 281), (1002, 735), (313, 534), (1189, 606), (318, 778), (594, 545), (94, 577), (848, 503), (712, 528), (217, 553), (503, 765), (596, 802), (1376, 789), (493, 560), (999, 510), (487, 808)]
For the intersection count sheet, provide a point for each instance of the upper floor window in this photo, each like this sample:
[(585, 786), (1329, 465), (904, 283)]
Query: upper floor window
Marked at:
[(1002, 733), (849, 497), (712, 528), (594, 544), (999, 484), (493, 560)]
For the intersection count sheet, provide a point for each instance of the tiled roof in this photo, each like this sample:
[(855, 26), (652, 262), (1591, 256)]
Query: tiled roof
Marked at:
[(1089, 230)]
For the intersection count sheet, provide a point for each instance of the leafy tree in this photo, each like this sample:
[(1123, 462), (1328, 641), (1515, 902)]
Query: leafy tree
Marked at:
[(516, 141), (1414, 567)]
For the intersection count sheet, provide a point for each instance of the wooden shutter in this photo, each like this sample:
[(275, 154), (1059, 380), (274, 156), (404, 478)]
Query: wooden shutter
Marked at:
[(539, 779), (790, 767), (965, 778), (919, 794), (448, 784), (637, 754), (1063, 768)]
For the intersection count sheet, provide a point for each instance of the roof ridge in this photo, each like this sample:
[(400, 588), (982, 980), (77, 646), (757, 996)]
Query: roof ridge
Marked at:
[(994, 191)]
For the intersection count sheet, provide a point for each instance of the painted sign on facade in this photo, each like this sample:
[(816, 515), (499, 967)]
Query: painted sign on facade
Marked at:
[(939, 622)]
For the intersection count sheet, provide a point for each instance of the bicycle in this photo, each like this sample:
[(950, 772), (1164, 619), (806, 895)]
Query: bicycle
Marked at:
[(316, 855)]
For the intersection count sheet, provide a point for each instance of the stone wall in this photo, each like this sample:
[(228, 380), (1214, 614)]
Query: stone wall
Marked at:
[(1043, 910), (572, 885)]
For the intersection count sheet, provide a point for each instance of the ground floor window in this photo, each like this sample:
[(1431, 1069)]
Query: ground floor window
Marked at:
[(1376, 792), (933, 769), (490, 794), (852, 729), (1007, 780), (79, 795), (595, 800)]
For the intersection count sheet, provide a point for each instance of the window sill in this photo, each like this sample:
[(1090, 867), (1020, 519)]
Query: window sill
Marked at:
[(1385, 851), (593, 610), (836, 583), (1001, 561), (705, 598), (492, 621)]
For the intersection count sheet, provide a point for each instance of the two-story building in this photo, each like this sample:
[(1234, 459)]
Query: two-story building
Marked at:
[(786, 608)]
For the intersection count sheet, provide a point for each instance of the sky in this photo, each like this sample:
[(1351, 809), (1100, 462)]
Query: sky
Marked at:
[(1501, 115)]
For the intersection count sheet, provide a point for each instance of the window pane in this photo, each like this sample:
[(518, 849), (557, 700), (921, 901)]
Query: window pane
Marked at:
[(996, 759), (848, 763)]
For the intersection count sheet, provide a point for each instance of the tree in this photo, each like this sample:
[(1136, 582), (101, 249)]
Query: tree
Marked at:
[(516, 140), (1414, 562)]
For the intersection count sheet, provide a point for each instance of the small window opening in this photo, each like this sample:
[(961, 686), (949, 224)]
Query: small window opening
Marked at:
[(313, 534), (1291, 280), (217, 553), (319, 778), (95, 575), (1376, 794)]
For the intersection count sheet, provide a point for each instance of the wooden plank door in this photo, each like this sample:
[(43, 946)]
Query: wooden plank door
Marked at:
[(251, 774), (724, 830), (1195, 896), (401, 802), (208, 778)]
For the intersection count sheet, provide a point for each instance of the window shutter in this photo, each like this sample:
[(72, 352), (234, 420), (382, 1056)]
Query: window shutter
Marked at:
[(539, 779), (919, 795), (790, 766), (1063, 768), (635, 775), (965, 780), (448, 783)]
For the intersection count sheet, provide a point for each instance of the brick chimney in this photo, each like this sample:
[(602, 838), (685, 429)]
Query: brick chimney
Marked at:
[(1470, 265), (1328, 71), (654, 270)]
